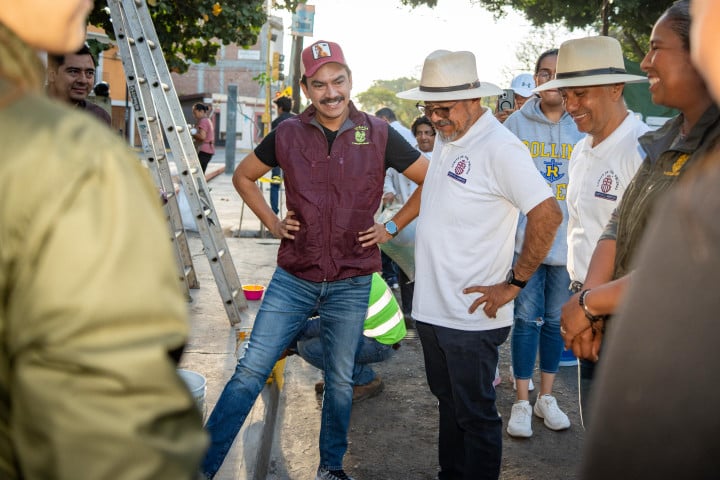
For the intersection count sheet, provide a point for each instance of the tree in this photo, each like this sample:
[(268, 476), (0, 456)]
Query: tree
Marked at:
[(382, 94), (630, 21), (193, 30)]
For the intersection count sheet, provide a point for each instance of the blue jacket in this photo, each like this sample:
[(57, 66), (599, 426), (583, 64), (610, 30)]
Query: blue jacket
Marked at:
[(550, 146)]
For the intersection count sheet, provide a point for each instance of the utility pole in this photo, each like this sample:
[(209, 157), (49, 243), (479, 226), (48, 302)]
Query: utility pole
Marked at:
[(297, 46), (268, 67)]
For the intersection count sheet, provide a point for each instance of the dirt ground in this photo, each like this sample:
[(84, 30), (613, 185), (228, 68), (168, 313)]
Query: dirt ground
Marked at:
[(403, 438), (394, 435)]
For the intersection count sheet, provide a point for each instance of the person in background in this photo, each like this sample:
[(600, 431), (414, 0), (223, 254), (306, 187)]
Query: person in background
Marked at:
[(605, 161), (102, 96), (398, 189), (328, 250), (667, 328), (424, 133), (522, 86), (284, 108), (480, 178), (550, 134), (71, 78), (203, 133), (390, 269), (92, 318), (382, 333), (389, 116)]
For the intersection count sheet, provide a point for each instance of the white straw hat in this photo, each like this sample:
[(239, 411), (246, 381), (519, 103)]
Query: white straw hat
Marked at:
[(589, 61), (450, 76)]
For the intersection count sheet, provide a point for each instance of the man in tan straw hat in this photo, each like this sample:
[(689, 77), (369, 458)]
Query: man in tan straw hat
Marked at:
[(334, 158), (591, 77), (480, 178)]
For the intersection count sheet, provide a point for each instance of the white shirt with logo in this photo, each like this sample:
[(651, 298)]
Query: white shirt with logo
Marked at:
[(598, 178), (473, 192)]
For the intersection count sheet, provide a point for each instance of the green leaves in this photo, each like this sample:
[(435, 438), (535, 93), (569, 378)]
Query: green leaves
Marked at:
[(193, 30)]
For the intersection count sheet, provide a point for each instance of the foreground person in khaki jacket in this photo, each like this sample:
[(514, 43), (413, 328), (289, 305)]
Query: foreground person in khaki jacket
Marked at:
[(92, 320)]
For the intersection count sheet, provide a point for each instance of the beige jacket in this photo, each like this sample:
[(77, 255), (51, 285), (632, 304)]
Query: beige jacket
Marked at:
[(92, 318)]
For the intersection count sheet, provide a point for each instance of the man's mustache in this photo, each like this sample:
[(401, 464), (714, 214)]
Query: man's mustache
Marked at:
[(339, 98)]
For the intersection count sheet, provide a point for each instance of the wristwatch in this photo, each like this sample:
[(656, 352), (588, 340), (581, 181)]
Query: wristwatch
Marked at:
[(511, 280), (391, 228)]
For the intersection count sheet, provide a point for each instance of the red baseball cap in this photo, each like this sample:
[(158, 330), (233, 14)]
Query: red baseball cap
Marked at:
[(318, 54)]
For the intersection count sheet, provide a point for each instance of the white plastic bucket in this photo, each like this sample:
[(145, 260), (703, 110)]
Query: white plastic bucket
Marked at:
[(197, 385)]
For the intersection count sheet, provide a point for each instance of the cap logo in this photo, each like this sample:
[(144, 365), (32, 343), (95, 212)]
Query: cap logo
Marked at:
[(320, 50)]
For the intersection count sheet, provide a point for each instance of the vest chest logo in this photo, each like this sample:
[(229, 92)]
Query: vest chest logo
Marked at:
[(361, 135), (678, 165), (460, 169), (606, 185)]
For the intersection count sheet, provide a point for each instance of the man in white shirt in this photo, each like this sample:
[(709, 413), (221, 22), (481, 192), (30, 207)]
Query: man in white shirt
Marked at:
[(591, 78), (603, 163), (480, 178)]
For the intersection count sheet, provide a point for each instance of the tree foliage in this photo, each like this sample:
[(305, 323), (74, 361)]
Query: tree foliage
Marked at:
[(630, 21), (382, 94), (193, 30)]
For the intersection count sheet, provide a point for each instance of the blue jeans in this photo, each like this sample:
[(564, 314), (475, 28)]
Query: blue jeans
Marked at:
[(288, 303), (460, 368), (537, 321), (310, 348), (275, 190)]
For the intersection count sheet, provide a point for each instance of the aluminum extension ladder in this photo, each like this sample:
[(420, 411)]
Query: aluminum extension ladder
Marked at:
[(158, 111)]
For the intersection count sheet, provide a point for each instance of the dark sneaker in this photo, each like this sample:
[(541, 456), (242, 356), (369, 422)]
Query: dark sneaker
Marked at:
[(360, 392), (325, 474), (369, 390)]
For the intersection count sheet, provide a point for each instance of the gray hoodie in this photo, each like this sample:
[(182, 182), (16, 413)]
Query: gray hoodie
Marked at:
[(550, 144)]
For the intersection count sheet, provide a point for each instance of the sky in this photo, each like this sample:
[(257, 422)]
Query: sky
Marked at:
[(384, 40)]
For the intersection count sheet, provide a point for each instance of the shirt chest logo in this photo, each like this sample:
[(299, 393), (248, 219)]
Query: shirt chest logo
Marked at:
[(607, 186), (460, 169)]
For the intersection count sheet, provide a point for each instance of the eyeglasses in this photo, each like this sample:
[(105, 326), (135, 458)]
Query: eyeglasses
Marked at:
[(544, 75), (428, 111)]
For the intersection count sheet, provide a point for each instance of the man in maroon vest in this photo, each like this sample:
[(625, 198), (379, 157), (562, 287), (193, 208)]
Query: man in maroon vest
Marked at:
[(334, 159)]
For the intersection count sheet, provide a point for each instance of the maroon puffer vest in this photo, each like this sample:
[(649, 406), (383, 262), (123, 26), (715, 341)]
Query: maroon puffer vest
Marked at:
[(333, 196)]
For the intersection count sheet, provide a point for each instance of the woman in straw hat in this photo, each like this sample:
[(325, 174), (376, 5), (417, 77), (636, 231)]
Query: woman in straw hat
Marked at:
[(665, 387), (671, 151)]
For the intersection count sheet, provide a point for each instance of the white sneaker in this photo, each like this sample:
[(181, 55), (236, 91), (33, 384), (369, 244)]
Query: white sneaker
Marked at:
[(520, 424), (531, 385), (546, 407)]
